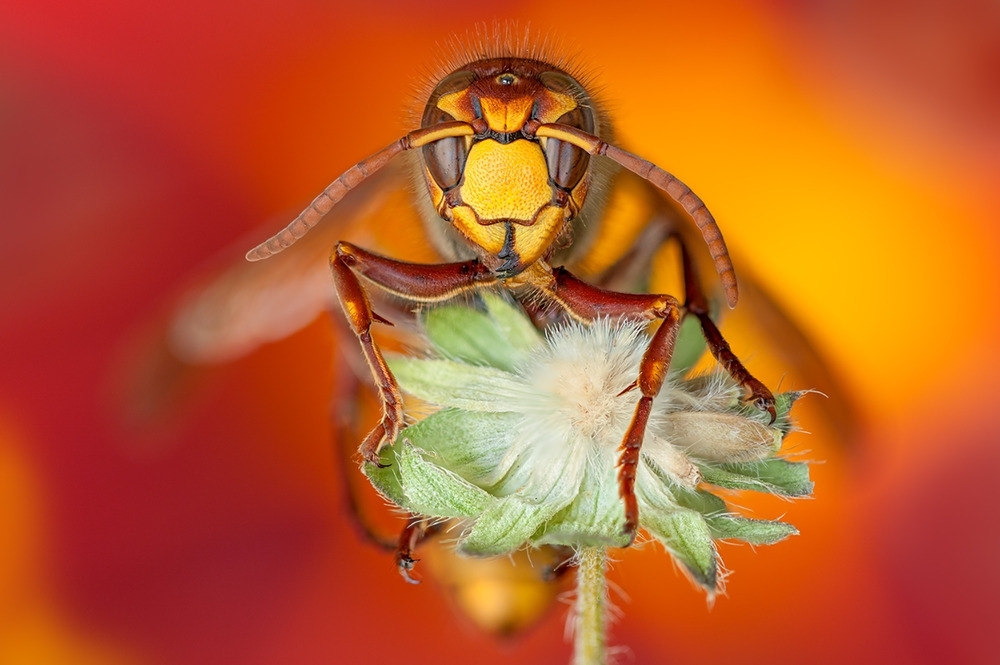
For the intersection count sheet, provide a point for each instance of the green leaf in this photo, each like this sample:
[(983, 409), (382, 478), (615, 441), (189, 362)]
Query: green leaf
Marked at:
[(775, 475), (755, 532)]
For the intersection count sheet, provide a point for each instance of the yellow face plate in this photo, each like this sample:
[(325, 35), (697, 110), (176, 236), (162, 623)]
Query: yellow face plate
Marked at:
[(506, 181)]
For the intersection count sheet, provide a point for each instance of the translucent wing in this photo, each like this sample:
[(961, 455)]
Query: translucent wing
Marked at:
[(239, 305), (232, 307), (763, 323)]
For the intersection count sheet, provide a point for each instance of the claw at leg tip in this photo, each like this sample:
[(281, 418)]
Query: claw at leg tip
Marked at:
[(404, 566)]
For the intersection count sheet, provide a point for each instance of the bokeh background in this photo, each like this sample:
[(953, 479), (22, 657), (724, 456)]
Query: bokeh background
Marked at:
[(851, 151)]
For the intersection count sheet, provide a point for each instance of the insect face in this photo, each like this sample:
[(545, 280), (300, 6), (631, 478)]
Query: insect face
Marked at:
[(509, 193)]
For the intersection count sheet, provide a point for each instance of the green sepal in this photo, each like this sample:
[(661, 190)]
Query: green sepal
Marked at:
[(474, 445), (686, 534), (700, 500), (386, 479), (682, 531), (595, 517), (500, 337), (724, 524), (450, 383), (775, 475), (755, 532), (431, 490), (512, 323), (504, 526)]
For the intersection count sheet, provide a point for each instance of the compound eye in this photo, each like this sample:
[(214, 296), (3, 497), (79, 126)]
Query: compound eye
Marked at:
[(445, 159), (568, 163)]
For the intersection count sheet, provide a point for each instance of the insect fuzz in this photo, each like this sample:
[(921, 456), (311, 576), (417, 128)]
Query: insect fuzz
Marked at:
[(507, 146)]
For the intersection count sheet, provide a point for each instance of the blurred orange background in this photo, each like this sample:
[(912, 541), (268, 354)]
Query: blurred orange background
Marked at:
[(851, 152)]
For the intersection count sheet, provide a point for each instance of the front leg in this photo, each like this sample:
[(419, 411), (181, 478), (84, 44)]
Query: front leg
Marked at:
[(415, 282)]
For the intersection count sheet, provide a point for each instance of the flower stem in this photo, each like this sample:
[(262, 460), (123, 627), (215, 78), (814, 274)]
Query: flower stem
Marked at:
[(589, 636)]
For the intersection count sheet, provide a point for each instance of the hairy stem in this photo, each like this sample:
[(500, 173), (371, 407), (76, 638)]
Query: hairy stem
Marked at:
[(589, 634)]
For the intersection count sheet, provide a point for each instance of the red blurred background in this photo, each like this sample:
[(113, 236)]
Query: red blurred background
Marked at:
[(850, 150)]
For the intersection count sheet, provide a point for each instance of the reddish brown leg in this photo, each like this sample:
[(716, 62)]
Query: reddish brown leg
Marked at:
[(417, 529), (419, 283), (588, 302), (695, 303), (342, 417)]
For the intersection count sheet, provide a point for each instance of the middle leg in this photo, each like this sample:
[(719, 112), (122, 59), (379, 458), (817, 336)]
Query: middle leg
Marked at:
[(695, 303)]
